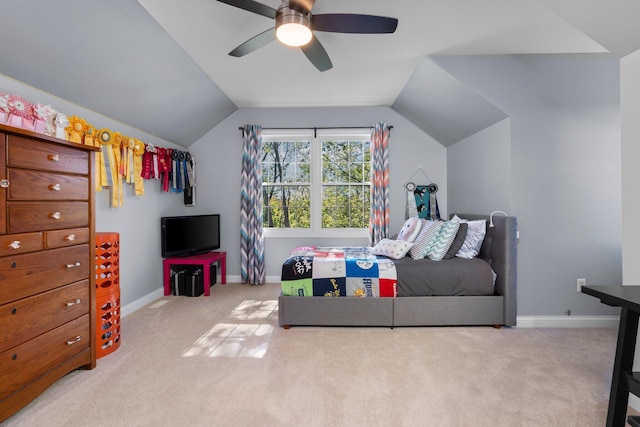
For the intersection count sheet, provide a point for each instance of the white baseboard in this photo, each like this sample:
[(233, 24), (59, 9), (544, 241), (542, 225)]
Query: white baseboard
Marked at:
[(567, 321), (521, 321), (141, 302)]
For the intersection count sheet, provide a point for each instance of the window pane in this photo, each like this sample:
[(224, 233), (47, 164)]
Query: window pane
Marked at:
[(357, 154), (344, 165), (303, 149), (283, 161), (328, 195), (345, 162), (303, 172), (356, 172), (286, 206)]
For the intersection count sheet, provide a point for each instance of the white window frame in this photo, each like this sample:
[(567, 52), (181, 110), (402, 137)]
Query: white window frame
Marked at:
[(316, 139)]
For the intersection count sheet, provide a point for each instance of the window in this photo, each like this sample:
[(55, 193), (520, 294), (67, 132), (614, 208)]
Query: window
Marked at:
[(315, 184)]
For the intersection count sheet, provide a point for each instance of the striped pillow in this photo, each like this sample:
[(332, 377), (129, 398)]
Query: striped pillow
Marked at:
[(442, 242), (427, 233)]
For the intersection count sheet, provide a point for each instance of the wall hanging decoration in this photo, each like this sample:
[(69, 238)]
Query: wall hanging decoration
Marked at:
[(76, 129), (121, 159), (421, 199), (61, 122), (20, 112)]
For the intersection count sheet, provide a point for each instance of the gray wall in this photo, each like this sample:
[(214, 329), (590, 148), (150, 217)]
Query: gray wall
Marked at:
[(565, 171), (630, 105), (479, 171), (219, 159)]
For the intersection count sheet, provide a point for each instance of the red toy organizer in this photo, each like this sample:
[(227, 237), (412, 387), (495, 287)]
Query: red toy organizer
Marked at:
[(107, 293)]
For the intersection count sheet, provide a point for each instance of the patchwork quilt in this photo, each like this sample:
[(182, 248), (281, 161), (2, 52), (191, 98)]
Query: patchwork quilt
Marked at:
[(338, 272)]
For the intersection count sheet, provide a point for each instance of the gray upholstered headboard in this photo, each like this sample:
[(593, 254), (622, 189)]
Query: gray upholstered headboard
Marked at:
[(500, 248)]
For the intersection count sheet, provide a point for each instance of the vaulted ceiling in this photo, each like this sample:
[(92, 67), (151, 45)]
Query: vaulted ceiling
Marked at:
[(163, 66)]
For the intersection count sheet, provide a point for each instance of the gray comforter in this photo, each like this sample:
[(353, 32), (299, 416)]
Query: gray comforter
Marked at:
[(455, 276)]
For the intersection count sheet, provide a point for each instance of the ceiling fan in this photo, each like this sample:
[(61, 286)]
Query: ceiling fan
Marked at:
[(295, 24)]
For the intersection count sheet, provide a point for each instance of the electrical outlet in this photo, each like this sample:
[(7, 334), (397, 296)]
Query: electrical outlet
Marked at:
[(580, 283)]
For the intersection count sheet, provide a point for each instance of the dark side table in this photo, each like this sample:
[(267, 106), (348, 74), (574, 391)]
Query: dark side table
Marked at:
[(624, 381)]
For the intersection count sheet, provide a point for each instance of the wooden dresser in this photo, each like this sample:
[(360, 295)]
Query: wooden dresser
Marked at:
[(47, 264)]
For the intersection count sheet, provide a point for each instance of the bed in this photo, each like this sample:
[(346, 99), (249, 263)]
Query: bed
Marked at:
[(498, 308)]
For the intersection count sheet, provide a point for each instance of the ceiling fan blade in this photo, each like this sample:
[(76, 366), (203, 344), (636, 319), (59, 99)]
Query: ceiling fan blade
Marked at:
[(353, 23), (255, 43), (252, 6), (315, 52)]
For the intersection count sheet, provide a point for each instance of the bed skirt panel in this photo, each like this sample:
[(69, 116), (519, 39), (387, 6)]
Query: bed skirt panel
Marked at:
[(449, 311), (404, 311), (323, 311)]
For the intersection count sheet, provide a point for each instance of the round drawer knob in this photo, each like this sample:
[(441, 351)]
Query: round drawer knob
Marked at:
[(55, 187), (54, 157), (70, 237), (56, 215), (4, 183), (15, 356), (14, 310), (15, 244)]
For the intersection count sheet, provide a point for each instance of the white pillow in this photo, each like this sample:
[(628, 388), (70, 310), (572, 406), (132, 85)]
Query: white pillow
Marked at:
[(473, 241), (395, 249), (428, 232), (410, 229)]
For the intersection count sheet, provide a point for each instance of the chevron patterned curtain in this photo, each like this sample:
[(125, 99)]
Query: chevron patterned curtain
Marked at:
[(379, 219), (251, 239)]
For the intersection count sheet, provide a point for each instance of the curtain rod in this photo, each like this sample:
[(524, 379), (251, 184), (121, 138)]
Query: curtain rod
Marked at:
[(318, 127)]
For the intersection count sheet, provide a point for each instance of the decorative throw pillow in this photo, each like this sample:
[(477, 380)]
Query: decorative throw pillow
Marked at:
[(485, 250), (442, 242), (395, 249), (427, 233), (410, 229), (473, 242), (458, 241)]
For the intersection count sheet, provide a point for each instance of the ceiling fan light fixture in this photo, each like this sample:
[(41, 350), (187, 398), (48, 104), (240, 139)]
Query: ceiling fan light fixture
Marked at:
[(292, 28)]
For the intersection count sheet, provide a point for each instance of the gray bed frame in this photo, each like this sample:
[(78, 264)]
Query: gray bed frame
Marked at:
[(500, 246)]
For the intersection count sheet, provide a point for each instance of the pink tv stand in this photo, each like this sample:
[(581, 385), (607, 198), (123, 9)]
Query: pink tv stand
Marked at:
[(205, 260)]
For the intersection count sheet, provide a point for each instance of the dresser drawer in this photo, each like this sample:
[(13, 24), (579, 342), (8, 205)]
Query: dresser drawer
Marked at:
[(35, 216), (22, 364), (27, 318), (34, 185), (33, 154), (12, 244), (29, 274), (61, 238)]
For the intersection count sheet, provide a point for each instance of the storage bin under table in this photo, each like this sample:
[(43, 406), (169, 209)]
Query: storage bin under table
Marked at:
[(204, 260)]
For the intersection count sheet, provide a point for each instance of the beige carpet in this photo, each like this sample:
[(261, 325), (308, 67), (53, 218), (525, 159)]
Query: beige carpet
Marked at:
[(223, 361)]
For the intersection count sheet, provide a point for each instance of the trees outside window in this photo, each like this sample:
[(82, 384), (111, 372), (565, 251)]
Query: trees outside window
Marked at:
[(316, 182)]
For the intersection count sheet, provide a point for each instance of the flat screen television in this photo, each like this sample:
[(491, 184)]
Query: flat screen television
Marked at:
[(189, 235)]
